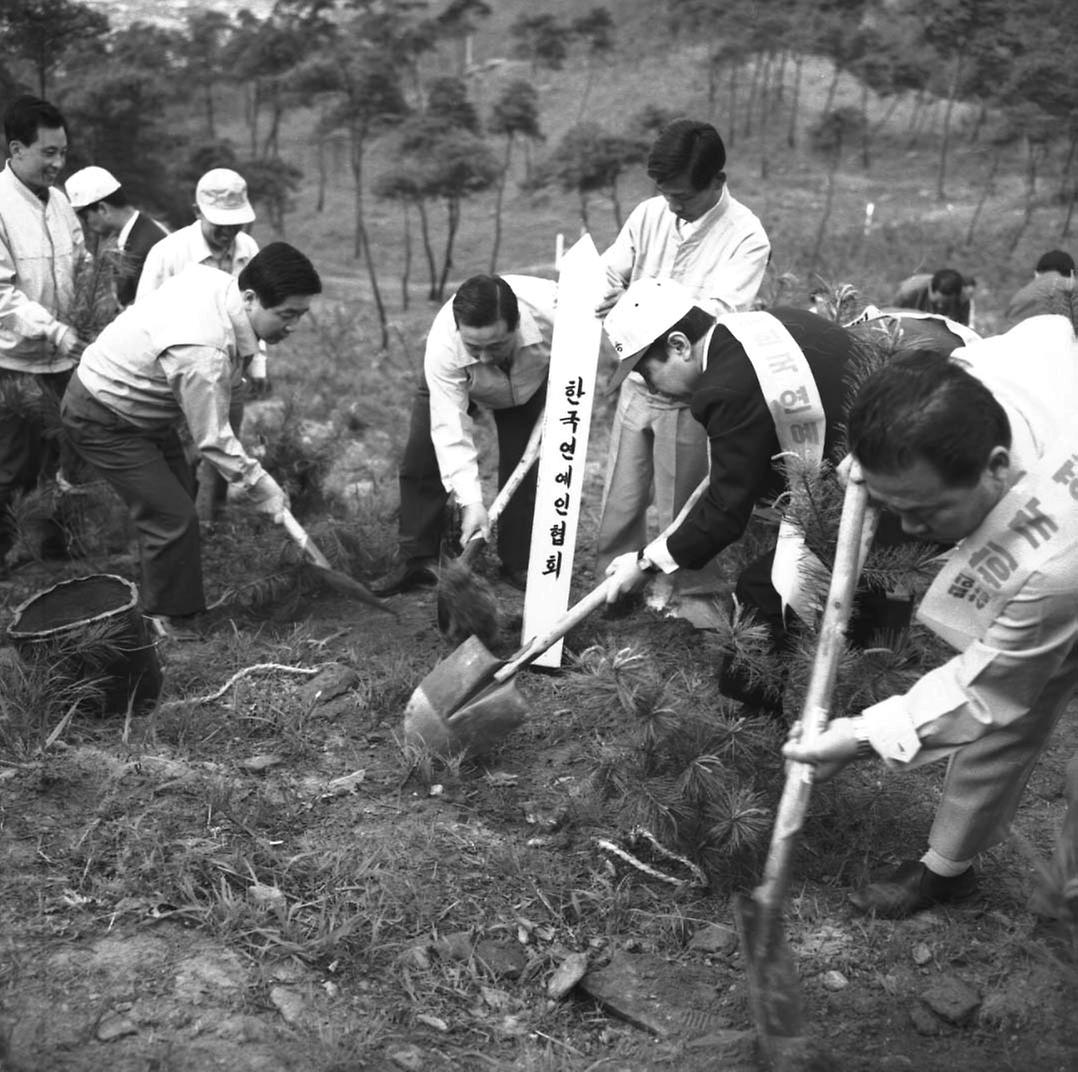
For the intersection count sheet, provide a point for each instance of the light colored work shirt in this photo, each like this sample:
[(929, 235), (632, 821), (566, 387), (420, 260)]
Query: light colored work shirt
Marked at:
[(177, 354), (720, 257), (41, 249), (187, 246), (455, 379)]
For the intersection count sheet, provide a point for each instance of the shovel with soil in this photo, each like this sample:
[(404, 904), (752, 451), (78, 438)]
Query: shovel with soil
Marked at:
[(465, 603), (335, 579), (774, 989), (469, 702)]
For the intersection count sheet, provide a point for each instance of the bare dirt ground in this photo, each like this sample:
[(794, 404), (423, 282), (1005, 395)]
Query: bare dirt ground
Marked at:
[(262, 882)]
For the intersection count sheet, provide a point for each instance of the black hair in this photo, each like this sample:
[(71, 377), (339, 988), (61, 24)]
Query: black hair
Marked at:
[(278, 272), (117, 199), (1055, 260), (483, 300), (694, 325), (922, 406), (948, 282), (26, 114), (686, 146)]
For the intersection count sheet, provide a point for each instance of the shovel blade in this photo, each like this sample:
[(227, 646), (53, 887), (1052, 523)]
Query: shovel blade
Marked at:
[(425, 728), (460, 675), (488, 717), (774, 988)]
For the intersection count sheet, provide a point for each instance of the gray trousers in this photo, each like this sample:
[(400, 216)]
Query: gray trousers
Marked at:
[(986, 779), (149, 471)]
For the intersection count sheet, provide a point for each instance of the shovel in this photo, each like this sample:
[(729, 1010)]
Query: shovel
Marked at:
[(774, 990), (446, 615), (469, 702), (338, 581)]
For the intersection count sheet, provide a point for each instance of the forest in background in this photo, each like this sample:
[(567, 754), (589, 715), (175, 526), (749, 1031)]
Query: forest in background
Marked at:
[(425, 108)]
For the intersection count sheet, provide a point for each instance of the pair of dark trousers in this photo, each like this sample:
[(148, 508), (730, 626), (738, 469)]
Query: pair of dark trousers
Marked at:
[(28, 452), (148, 470), (875, 619), (424, 498)]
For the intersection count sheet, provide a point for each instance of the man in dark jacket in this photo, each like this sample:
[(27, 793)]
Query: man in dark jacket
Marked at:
[(103, 209), (762, 384)]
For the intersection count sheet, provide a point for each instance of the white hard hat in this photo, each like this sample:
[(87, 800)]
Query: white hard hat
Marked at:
[(90, 185), (646, 309)]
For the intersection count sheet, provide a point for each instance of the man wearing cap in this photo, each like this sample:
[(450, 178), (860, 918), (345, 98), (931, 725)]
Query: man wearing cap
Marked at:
[(761, 384), (1051, 290), (218, 240), (981, 451), (104, 210), (41, 248), (697, 233), (942, 292), (488, 345), (177, 354)]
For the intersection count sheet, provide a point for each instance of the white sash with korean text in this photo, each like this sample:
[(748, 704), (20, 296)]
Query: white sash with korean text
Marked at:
[(574, 352), (873, 312), (800, 423), (1033, 522)]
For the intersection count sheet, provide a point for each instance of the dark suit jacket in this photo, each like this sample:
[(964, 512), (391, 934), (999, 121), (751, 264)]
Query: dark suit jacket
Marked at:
[(144, 234), (730, 404)]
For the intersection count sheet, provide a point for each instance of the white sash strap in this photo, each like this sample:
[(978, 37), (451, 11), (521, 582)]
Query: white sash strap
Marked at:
[(873, 312), (1033, 522), (800, 425)]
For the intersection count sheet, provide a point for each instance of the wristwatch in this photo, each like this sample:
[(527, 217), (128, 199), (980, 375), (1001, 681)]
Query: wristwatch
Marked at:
[(645, 565), (860, 733)]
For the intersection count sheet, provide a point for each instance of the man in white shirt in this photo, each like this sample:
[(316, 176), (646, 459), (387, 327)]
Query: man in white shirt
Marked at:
[(176, 355), (216, 239), (490, 344), (103, 209), (41, 252), (697, 234), (979, 450)]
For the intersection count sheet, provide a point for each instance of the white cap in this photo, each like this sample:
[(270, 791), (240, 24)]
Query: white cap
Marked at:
[(221, 195), (90, 185), (646, 309)]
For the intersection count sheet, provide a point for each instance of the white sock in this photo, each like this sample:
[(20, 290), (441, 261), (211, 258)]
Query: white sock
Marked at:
[(940, 865)]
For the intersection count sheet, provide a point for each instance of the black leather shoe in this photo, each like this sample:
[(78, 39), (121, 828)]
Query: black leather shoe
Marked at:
[(407, 576), (911, 888), (518, 578)]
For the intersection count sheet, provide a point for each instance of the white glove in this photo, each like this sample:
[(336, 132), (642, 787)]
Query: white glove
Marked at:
[(268, 497)]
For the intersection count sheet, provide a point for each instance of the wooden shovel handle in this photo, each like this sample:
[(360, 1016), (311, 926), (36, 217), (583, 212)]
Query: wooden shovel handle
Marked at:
[(508, 489), (516, 477), (538, 644), (829, 645), (579, 611), (303, 540)]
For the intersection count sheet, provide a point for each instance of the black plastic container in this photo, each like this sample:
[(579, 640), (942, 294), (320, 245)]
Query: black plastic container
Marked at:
[(60, 624)]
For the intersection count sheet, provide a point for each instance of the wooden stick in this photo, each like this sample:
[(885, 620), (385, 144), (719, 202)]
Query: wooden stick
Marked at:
[(795, 795)]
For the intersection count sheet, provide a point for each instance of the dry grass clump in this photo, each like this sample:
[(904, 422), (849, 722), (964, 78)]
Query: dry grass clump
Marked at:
[(39, 698)]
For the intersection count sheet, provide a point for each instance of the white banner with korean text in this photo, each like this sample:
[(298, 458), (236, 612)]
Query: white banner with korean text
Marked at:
[(574, 355)]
